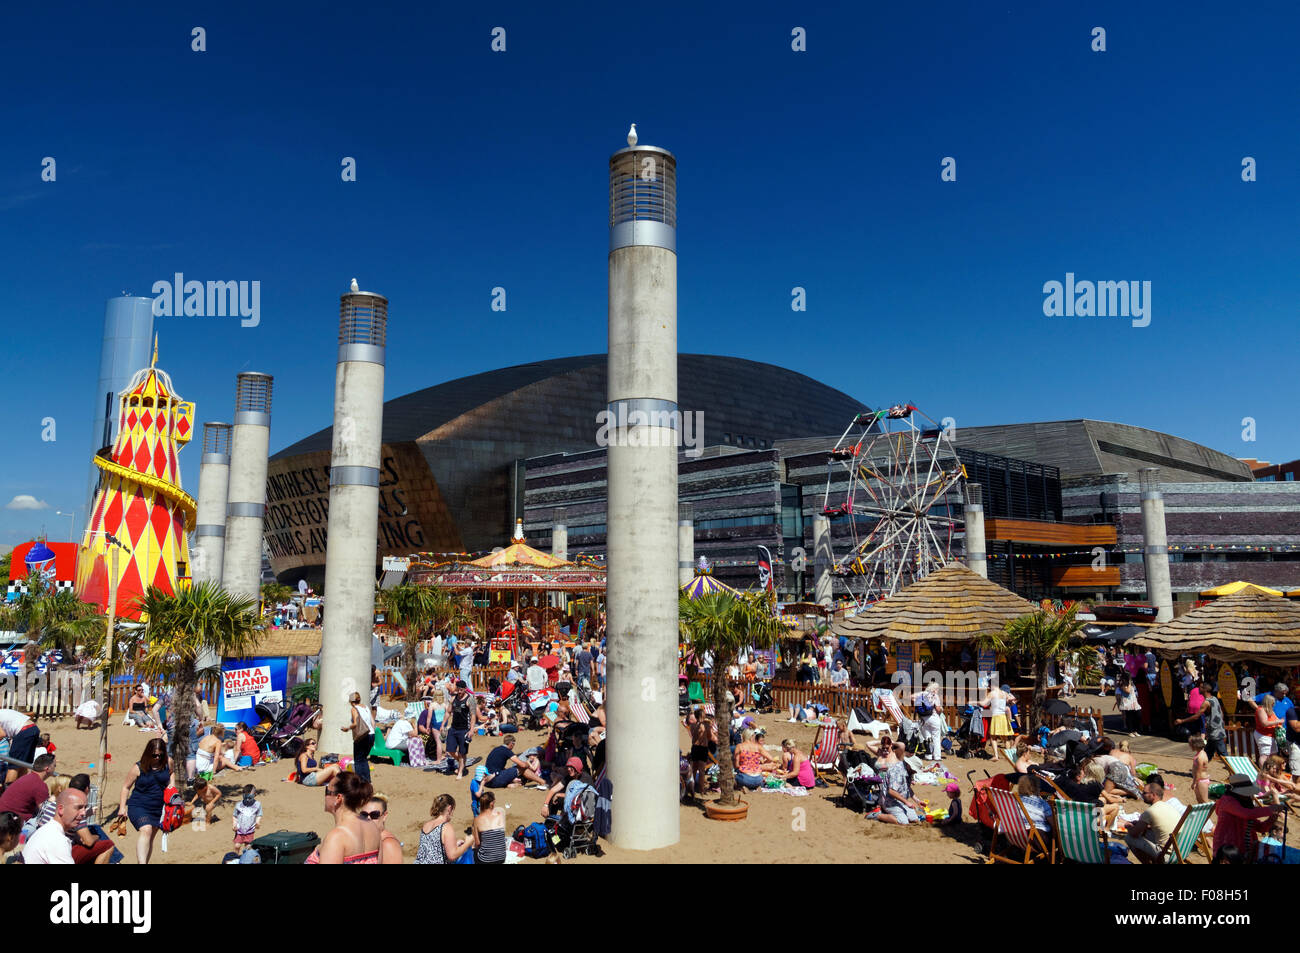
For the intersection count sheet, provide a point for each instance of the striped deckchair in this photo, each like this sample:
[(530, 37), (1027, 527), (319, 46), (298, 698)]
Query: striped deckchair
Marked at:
[(1183, 841), (1240, 764), (579, 711), (1016, 827), (825, 756), (1079, 831), (892, 707)]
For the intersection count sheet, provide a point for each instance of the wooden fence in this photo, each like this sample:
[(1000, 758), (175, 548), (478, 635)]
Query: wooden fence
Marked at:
[(390, 686), (59, 693)]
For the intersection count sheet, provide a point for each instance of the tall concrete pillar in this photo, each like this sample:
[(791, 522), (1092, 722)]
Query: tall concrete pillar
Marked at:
[(124, 349), (560, 534), (685, 544), (241, 570), (976, 553), (351, 546), (641, 581), (823, 560), (1156, 552), (214, 484)]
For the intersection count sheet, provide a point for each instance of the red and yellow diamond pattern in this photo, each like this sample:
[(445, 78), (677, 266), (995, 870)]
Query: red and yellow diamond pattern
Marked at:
[(140, 500)]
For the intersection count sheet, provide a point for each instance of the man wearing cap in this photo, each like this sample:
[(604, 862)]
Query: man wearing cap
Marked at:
[(1233, 813), (459, 725), (1147, 836), (536, 676)]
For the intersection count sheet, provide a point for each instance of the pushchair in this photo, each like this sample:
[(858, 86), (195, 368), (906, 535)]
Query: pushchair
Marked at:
[(863, 788), (761, 695), (970, 736), (295, 722)]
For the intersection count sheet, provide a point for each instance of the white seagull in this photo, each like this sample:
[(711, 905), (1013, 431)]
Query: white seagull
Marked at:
[(631, 135), (355, 286)]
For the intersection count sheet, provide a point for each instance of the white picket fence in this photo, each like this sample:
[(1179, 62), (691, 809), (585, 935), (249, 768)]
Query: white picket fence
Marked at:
[(52, 695)]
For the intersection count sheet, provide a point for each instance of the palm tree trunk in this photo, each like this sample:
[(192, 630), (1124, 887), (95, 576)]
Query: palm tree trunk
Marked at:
[(726, 771), (1040, 696), (182, 711), (408, 660)]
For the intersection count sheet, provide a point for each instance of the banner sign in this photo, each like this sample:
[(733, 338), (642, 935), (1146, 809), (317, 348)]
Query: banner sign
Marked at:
[(247, 681), (988, 660)]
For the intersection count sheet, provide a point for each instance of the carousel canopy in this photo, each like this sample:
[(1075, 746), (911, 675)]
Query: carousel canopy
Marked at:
[(706, 586), (951, 604), (1250, 625), (1232, 588), (516, 567), (520, 554)]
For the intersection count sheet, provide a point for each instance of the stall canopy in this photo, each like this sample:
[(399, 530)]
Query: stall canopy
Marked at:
[(288, 643), (1248, 626), (1232, 588), (706, 586), (951, 604)]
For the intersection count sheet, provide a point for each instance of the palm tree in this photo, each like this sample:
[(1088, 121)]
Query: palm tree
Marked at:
[(56, 619), (1038, 637), (411, 609), (181, 627), (274, 593), (722, 624)]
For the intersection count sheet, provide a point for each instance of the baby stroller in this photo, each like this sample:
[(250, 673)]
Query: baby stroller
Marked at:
[(761, 694), (295, 722), (863, 790), (970, 739)]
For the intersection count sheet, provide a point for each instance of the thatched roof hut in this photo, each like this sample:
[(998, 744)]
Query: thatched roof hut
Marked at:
[(951, 604), (1250, 625)]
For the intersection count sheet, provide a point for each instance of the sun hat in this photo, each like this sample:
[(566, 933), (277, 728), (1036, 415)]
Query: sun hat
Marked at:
[(952, 790), (1242, 786), (575, 764)]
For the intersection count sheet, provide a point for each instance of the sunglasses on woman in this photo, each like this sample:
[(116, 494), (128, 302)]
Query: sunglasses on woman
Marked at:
[(370, 815)]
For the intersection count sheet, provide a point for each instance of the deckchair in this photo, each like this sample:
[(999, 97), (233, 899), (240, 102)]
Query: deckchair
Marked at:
[(381, 750), (1010, 755), (419, 759), (1079, 831), (1240, 764), (1182, 843), (579, 712), (825, 756), (1017, 828)]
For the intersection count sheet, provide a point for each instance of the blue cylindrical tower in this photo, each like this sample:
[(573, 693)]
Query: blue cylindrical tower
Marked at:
[(128, 329)]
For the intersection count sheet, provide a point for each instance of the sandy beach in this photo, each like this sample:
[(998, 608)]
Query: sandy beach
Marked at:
[(780, 829)]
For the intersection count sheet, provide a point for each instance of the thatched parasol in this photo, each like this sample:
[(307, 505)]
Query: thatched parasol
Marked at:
[(1250, 625), (951, 604)]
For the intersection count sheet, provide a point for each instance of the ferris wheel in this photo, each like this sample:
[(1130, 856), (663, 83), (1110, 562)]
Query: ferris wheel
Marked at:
[(890, 479)]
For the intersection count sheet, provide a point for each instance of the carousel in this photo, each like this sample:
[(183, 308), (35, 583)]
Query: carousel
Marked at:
[(521, 594)]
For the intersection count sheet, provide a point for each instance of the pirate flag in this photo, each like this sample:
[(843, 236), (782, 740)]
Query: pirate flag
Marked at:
[(764, 569)]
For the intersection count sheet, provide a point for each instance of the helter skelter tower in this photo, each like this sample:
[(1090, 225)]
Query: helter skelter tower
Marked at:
[(140, 502)]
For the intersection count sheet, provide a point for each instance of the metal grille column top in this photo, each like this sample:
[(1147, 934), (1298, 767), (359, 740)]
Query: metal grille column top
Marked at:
[(642, 540), (560, 533), (351, 546), (685, 544), (214, 485), (1156, 549), (976, 552), (250, 441)]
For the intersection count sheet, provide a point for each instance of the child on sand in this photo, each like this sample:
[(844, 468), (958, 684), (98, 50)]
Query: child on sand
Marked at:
[(247, 816), (954, 804), (1200, 768)]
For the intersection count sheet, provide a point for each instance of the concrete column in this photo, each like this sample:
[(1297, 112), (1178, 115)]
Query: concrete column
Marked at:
[(976, 553), (642, 522), (214, 485), (241, 570), (685, 544), (1156, 553), (352, 543), (560, 534), (823, 560)]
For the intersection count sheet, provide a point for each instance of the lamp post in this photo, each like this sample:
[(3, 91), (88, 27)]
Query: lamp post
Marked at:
[(115, 545), (72, 521)]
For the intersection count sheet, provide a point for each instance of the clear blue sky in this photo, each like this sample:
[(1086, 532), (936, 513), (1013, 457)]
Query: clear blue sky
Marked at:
[(817, 169)]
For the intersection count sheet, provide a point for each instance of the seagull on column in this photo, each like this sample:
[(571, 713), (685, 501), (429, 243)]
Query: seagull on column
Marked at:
[(631, 135), (355, 286)]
